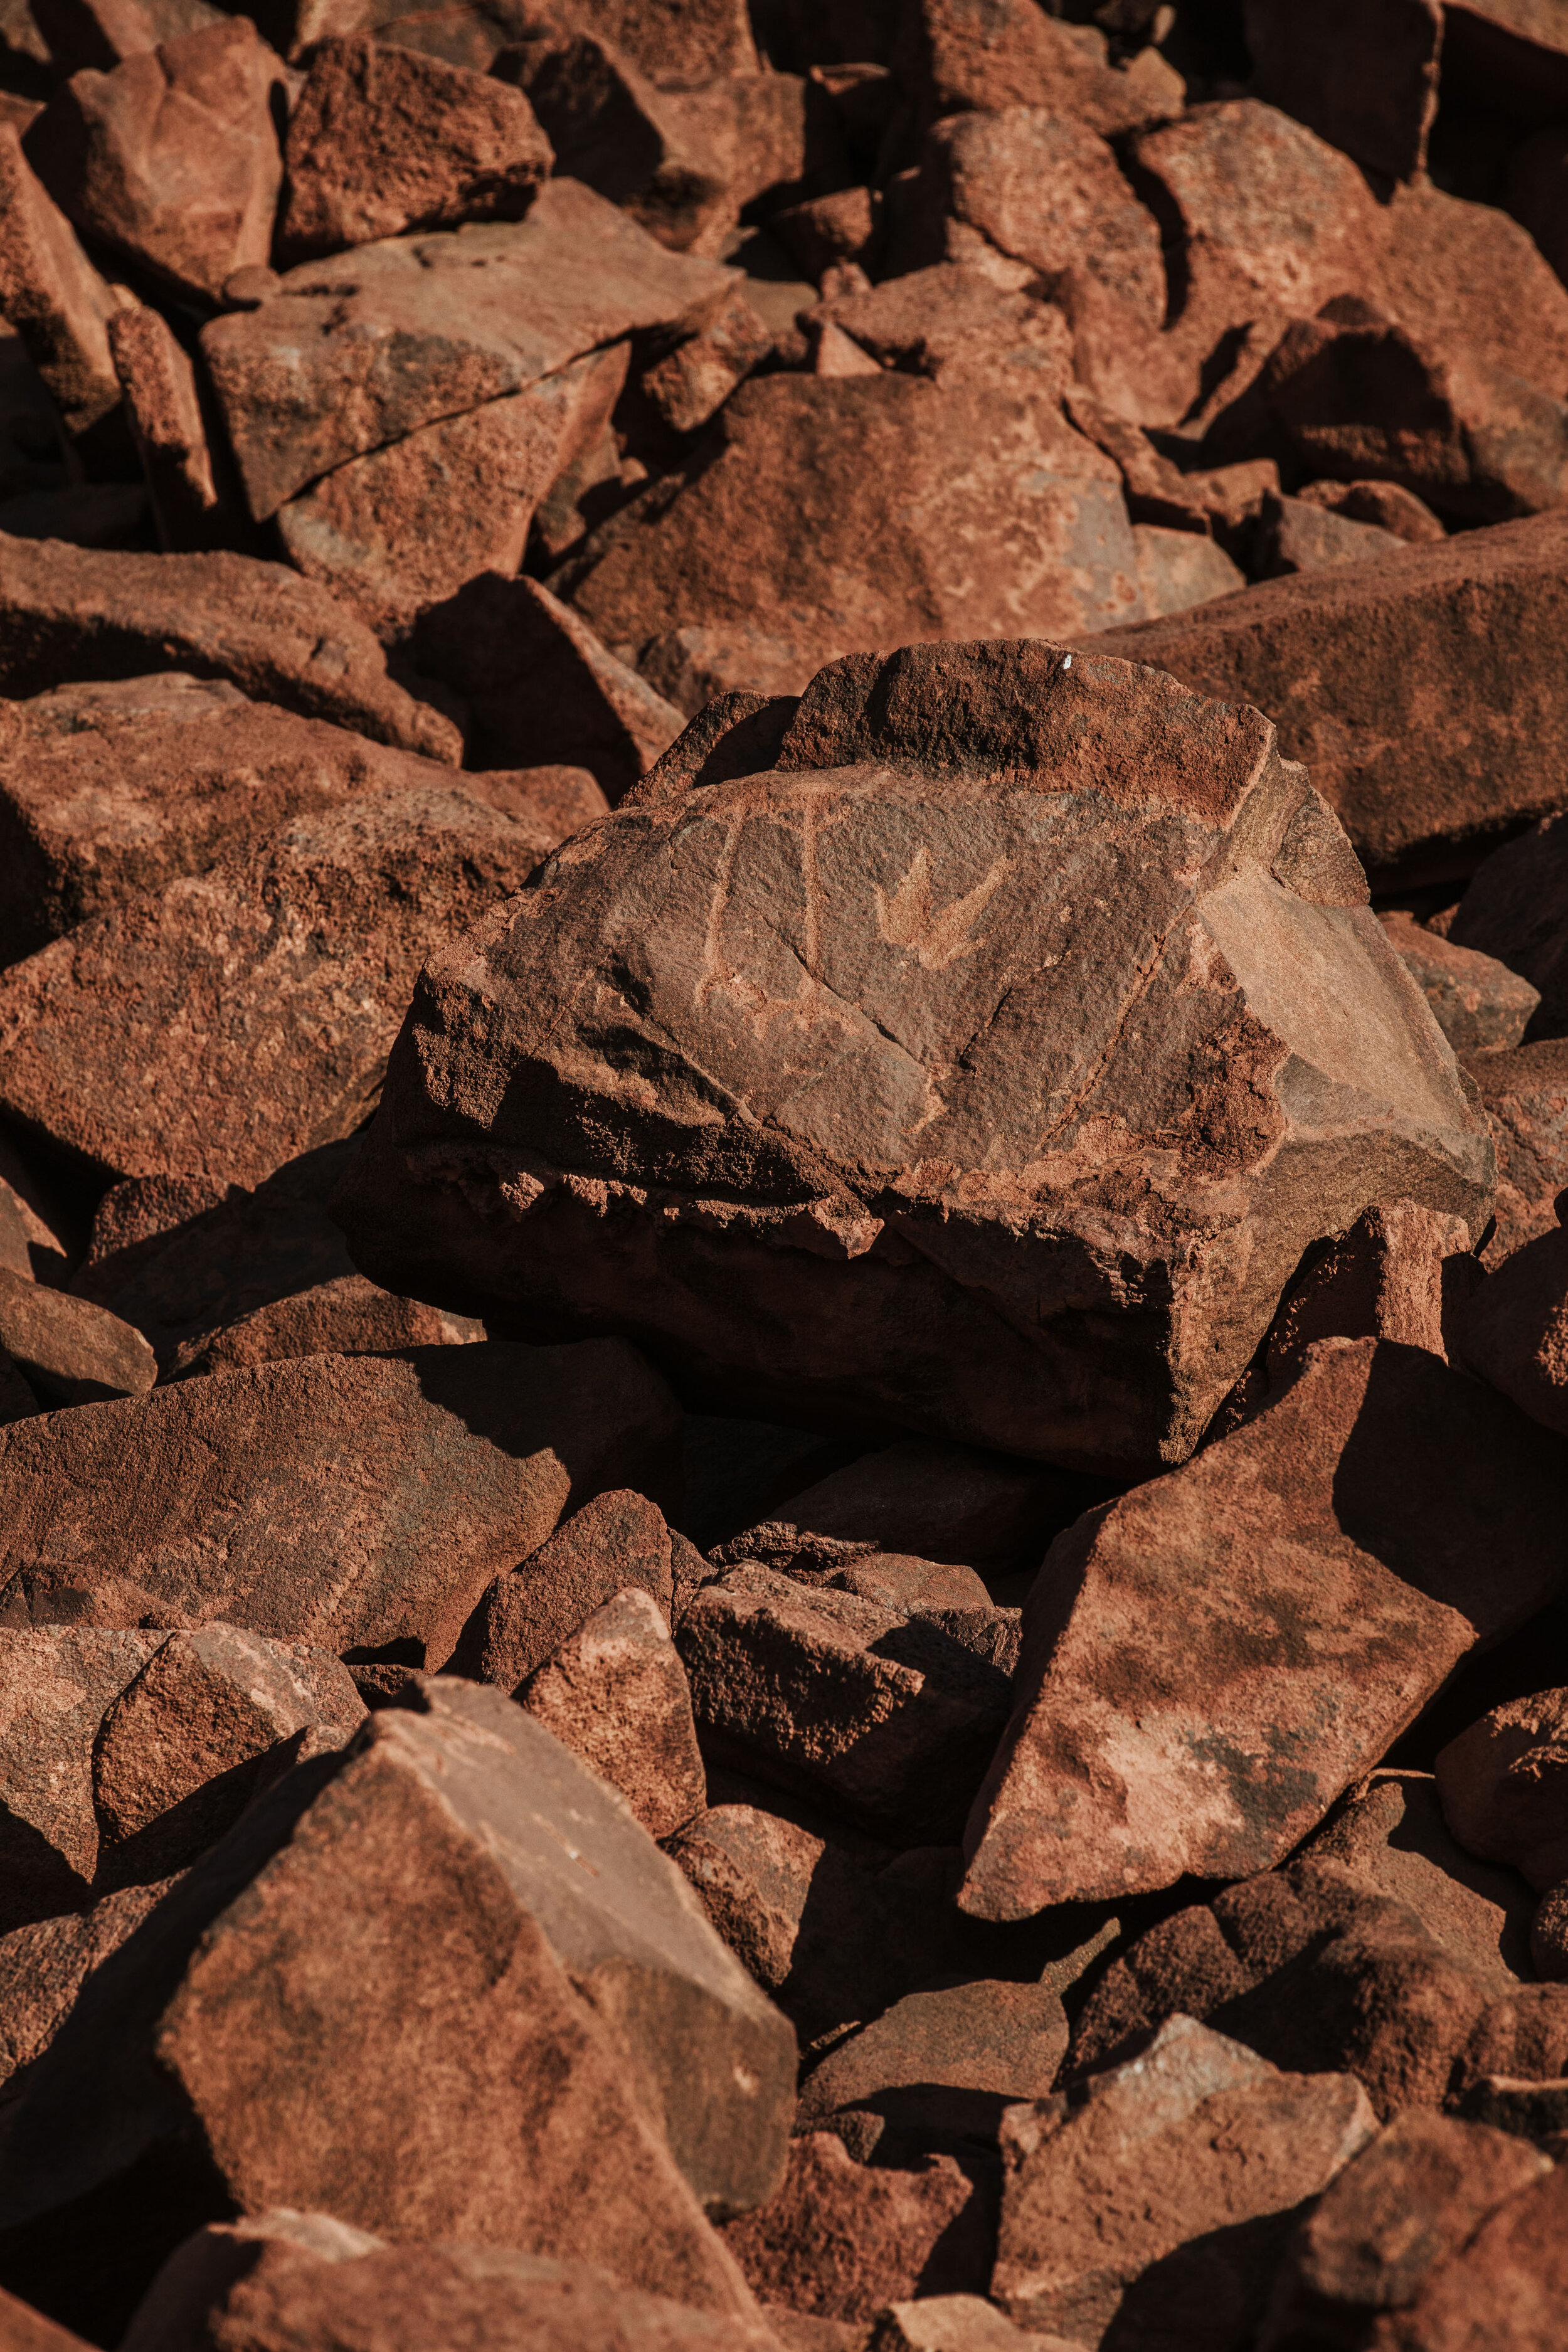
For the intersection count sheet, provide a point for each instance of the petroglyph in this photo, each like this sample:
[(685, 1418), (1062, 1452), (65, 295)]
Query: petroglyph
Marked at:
[(907, 917)]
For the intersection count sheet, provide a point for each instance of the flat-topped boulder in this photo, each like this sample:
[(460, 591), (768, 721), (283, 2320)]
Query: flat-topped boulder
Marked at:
[(984, 1065)]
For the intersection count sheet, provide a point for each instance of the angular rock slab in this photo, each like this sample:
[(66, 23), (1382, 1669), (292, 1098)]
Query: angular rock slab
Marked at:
[(442, 1987), (1212, 1659), (996, 1055), (298, 1499)]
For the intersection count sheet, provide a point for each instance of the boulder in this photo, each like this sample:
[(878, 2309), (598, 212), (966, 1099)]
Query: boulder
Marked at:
[(540, 686), (854, 547), (409, 525), (616, 1540), (1165, 2198), (952, 56), (934, 1502), (442, 1986), (1516, 909), (304, 2281), (878, 1713), (1513, 1331), (1505, 2285), (1472, 280), (1417, 688), (1386, 504), (1524, 1092), (324, 368), (1293, 536), (1201, 1675), (45, 1965), (344, 1316), (171, 159), (162, 410), (937, 2069), (1399, 1273), (381, 140), (954, 325), (73, 615), (1502, 1784), (616, 1693), (1476, 1000), (310, 1516), (39, 1235), (127, 1754), (1363, 77), (689, 384), (59, 306), (68, 1351), (26, 2330), (1412, 2198), (957, 2323), (674, 42), (108, 792), (912, 839), (841, 2240), (234, 1018), (1179, 569)]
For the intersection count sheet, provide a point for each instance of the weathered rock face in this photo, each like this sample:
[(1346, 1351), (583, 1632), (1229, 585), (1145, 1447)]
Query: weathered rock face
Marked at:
[(57, 301), (1507, 2282), (1476, 1000), (1513, 1331), (1170, 1719), (1363, 74), (616, 1693), (1428, 737), (1502, 1784), (164, 413), (68, 1351), (994, 1033), (528, 2048), (1516, 908), (191, 1504), (954, 56)]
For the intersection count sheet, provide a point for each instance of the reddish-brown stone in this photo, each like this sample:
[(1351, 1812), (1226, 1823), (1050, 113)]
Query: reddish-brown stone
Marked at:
[(1164, 2198), (674, 42), (1430, 739), (163, 409), (71, 613), (954, 55), (1506, 2285), (1173, 1714), (936, 2070), (922, 895), (381, 140), (617, 1539), (1524, 1092), (56, 300), (1514, 1331), (68, 1351), (1503, 1783), (23, 2329), (1471, 280), (1390, 1836), (45, 1966), (172, 158), (617, 1695), (235, 1018), (1293, 536), (1400, 1273), (840, 2240), (1515, 909), (689, 384), (1476, 1000), (343, 1316), (1384, 503), (934, 1502), (1360, 73), (325, 369), (305, 2283), (295, 1499), (442, 1987)]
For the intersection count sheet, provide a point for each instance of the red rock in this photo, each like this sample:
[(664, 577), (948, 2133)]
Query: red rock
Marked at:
[(70, 614), (1295, 537), (1167, 1720), (1523, 2035), (58, 1683), (347, 1316), (1413, 2197), (962, 905), (1536, 193), (68, 1351), (1399, 1273), (1390, 1836), (617, 1539), (23, 2329), (97, 33), (162, 410), (879, 1715), (540, 685), (381, 140), (1476, 1000), (954, 56), (306, 2281), (1382, 503), (1503, 1786), (1505, 2286), (826, 230), (38, 1235), (958, 2323), (1469, 278), (1147, 377), (937, 2068), (854, 547), (45, 1966), (105, 1527), (1365, 78), (952, 323), (1179, 569), (172, 158), (1513, 1331), (455, 1903), (1516, 909), (617, 1695), (1524, 1092), (325, 369), (409, 525), (688, 385), (937, 1502), (251, 1007), (1131, 2211), (1548, 1937), (112, 791), (841, 2240), (1428, 742), (1043, 190), (58, 305), (674, 42)]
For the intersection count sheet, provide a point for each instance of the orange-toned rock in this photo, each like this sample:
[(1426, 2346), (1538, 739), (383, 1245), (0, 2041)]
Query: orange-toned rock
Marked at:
[(318, 1479), (1167, 1720), (441, 1987), (616, 1540), (163, 409), (953, 56), (46, 1965), (1429, 742), (1516, 908), (830, 941), (1476, 1000), (938, 2068), (1506, 2284), (71, 614), (342, 1316), (1512, 1332), (1524, 1091), (616, 1693), (68, 1351), (172, 158), (1363, 74), (57, 303), (1503, 1782), (1385, 504), (381, 140)]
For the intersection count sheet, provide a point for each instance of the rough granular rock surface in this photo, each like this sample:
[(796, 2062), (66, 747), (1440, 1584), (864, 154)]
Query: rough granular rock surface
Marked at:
[(1002, 1048)]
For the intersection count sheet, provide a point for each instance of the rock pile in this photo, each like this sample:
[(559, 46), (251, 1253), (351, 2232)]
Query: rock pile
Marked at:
[(783, 1176)]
